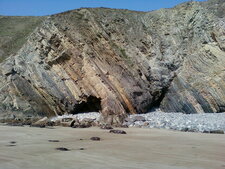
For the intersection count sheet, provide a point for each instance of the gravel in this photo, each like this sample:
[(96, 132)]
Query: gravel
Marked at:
[(205, 122), (80, 116)]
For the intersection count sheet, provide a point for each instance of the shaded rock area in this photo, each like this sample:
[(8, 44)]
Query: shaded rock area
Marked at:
[(216, 132), (119, 62)]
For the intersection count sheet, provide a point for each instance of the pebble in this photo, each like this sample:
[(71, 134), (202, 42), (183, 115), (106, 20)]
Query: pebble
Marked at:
[(53, 141), (205, 122), (95, 138), (62, 149)]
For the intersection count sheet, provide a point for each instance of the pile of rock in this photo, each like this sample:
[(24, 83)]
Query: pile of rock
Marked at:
[(66, 122), (82, 120), (207, 122), (13, 120)]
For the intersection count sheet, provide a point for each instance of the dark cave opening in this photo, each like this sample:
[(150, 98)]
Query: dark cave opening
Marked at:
[(157, 101), (92, 104)]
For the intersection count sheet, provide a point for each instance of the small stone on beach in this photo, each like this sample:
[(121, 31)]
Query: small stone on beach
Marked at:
[(12, 142), (117, 131), (106, 127), (95, 138), (62, 149), (53, 141)]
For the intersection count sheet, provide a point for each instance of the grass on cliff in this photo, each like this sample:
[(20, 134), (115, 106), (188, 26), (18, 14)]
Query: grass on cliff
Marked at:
[(14, 31)]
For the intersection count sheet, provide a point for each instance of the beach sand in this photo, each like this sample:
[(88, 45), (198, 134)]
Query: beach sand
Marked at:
[(139, 148)]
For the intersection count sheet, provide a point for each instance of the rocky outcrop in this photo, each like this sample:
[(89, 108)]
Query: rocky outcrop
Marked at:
[(119, 62), (14, 31), (199, 85)]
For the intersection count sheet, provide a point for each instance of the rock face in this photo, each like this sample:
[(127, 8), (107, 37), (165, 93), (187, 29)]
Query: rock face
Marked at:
[(119, 62), (14, 31)]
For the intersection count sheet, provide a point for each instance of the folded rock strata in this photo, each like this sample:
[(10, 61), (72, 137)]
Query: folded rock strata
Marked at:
[(119, 62)]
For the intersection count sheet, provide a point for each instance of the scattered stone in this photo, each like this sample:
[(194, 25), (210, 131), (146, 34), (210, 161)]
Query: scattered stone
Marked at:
[(204, 122), (53, 141), (106, 127), (67, 119), (146, 124), (184, 129), (217, 132), (117, 131), (88, 120), (138, 118), (50, 123), (84, 124), (81, 148), (27, 122), (68, 122), (65, 124), (133, 119), (75, 123), (95, 123), (62, 149), (57, 122), (81, 120), (192, 130), (95, 138), (129, 120)]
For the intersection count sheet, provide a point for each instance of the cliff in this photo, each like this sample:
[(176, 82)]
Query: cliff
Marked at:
[(119, 62)]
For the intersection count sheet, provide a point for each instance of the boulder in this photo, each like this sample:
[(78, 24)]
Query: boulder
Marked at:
[(68, 122), (40, 123)]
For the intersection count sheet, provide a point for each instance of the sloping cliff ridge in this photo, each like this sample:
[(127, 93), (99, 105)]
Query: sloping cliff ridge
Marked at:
[(119, 62)]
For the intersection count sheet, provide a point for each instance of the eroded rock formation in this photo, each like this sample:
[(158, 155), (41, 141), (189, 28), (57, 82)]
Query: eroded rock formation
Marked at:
[(119, 62)]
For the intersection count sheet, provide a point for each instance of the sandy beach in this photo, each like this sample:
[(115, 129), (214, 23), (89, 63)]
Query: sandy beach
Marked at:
[(29, 148)]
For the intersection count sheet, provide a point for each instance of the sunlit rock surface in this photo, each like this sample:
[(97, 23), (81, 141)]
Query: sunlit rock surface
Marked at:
[(120, 62)]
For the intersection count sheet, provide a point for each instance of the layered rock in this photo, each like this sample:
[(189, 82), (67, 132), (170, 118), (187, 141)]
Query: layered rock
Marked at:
[(14, 31), (199, 85), (119, 62)]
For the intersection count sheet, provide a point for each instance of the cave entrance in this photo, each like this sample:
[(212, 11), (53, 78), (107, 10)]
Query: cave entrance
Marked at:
[(92, 104), (155, 106)]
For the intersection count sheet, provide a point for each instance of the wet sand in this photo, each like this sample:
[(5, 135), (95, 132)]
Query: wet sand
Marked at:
[(139, 148)]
